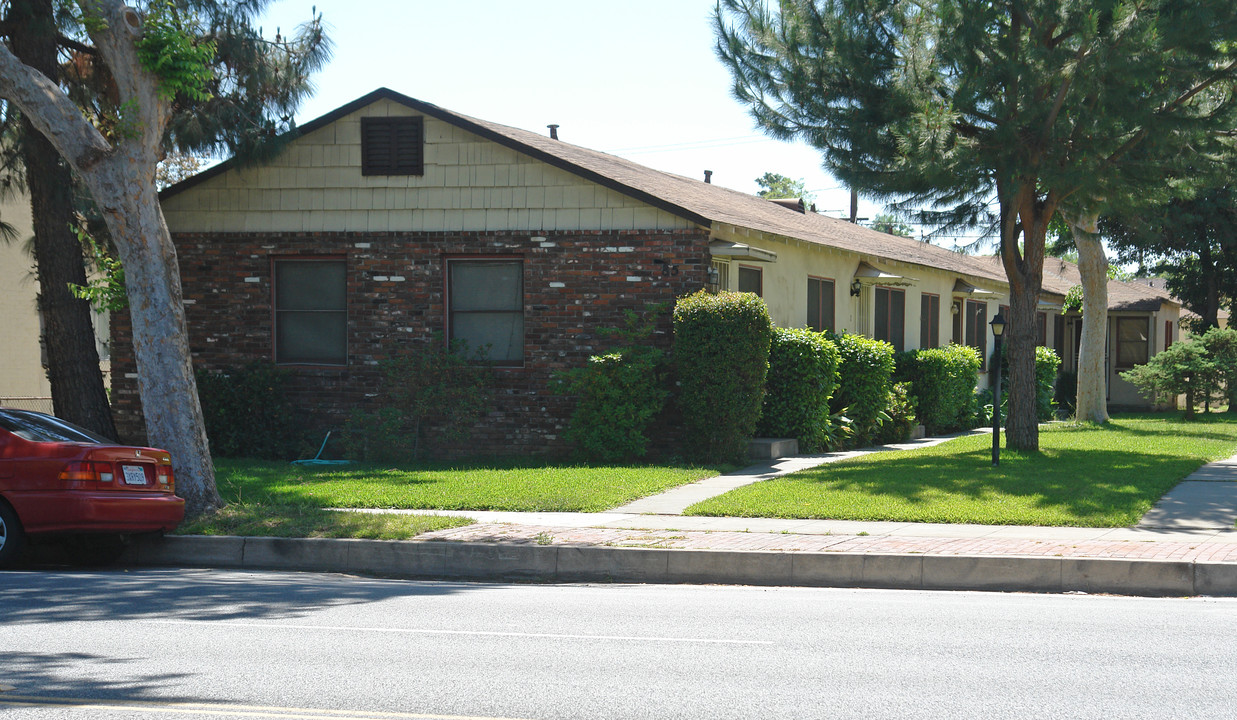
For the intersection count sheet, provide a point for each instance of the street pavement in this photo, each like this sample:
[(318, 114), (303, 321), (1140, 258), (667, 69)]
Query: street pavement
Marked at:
[(1186, 545)]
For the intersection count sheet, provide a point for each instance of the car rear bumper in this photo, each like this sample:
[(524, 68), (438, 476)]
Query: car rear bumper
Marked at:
[(84, 511)]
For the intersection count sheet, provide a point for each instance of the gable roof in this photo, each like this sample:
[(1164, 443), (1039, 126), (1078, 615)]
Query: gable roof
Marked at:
[(699, 202)]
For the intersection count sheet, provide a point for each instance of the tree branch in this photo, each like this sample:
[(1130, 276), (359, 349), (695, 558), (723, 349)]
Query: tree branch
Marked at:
[(51, 112)]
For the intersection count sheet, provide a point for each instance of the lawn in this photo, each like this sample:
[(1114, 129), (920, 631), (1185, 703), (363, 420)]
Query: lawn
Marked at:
[(307, 521), (516, 485), (1083, 475)]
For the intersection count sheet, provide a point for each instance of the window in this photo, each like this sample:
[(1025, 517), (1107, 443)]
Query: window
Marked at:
[(1131, 341), (1058, 335), (977, 330), (890, 316), (958, 317), (485, 305), (392, 146), (750, 280), (929, 320), (820, 299), (311, 312), (1041, 337), (1168, 334)]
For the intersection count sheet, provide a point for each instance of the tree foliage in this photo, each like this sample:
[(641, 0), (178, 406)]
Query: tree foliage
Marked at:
[(777, 186), (1024, 107)]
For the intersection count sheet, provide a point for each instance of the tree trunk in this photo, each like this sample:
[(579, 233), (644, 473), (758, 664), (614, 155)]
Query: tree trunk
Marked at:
[(1091, 403), (78, 393), (160, 336), (1025, 271)]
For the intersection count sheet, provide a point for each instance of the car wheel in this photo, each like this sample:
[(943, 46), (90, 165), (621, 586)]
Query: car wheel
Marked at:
[(12, 537), (95, 550)]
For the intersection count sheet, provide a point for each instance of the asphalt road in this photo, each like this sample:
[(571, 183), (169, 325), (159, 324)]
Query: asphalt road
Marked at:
[(212, 644)]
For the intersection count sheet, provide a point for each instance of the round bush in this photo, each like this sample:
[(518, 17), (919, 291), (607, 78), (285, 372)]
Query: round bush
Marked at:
[(803, 372)]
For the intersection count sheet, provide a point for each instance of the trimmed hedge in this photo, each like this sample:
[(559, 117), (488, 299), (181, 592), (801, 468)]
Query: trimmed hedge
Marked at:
[(864, 384), (247, 413), (803, 372), (944, 387), (721, 355), (618, 394)]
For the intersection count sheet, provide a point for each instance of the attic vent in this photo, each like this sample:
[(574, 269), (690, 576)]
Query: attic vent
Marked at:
[(392, 146)]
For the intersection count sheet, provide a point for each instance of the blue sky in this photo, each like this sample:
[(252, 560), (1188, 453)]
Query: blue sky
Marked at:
[(636, 78)]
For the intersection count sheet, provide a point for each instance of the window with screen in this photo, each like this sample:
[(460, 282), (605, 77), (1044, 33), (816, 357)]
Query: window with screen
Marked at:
[(485, 307), (929, 320), (1132, 342), (890, 316), (751, 280), (820, 299), (311, 311)]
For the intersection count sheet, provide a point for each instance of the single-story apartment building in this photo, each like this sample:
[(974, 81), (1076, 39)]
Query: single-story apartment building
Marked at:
[(391, 219)]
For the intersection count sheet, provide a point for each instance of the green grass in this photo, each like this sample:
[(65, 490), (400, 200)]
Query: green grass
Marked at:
[(526, 486), (302, 521), (1083, 475)]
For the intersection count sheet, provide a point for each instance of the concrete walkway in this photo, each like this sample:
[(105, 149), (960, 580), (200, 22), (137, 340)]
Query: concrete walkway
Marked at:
[(1205, 500)]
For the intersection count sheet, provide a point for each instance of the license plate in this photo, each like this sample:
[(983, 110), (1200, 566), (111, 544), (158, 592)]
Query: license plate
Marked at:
[(134, 474)]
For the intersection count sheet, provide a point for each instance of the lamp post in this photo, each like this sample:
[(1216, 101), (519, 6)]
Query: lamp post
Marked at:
[(998, 329)]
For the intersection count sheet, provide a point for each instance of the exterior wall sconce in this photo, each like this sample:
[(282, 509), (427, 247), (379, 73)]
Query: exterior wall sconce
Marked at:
[(714, 278), (855, 288)]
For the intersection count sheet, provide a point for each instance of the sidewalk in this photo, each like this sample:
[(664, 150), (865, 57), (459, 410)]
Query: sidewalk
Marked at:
[(1186, 545)]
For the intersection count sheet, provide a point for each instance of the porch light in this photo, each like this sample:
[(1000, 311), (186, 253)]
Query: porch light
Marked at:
[(714, 278), (855, 288)]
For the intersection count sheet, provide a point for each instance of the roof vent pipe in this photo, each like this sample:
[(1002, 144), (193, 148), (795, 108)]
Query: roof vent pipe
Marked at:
[(708, 176), (553, 131)]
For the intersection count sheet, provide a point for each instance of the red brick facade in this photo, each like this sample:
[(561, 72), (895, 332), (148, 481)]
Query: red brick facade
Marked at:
[(575, 283)]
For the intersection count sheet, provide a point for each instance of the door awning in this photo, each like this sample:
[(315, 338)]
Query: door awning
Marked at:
[(739, 251), (871, 275), (961, 287)]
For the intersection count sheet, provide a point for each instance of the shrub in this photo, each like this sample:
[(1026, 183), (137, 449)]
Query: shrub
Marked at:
[(436, 389), (721, 355), (1066, 394), (1182, 368), (1220, 346), (863, 385), (900, 416), (1046, 364), (944, 387), (618, 394), (803, 372), (247, 414)]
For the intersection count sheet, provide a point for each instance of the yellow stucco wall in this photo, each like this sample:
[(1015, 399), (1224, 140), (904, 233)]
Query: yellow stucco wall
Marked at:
[(21, 366), (470, 184)]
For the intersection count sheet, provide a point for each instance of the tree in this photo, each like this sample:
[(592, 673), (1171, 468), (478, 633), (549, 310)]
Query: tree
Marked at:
[(1027, 107), (779, 186), (143, 81), (1191, 240), (888, 223)]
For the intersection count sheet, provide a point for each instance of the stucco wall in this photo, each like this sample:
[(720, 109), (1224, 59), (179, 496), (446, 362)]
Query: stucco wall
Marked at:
[(21, 365), (470, 184)]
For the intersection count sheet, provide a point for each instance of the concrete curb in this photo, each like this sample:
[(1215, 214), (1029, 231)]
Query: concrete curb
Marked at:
[(571, 563)]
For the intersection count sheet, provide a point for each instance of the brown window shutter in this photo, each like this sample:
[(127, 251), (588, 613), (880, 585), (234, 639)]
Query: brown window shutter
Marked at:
[(392, 146)]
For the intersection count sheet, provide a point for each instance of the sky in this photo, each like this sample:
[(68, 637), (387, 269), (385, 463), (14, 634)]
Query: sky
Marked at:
[(636, 78)]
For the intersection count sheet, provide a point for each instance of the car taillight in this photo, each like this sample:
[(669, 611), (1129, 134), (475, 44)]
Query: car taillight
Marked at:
[(163, 475), (84, 475)]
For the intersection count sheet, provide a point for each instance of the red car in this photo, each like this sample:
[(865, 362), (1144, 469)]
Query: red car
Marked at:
[(57, 479)]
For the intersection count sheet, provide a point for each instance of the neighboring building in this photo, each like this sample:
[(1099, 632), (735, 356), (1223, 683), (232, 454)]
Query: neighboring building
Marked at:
[(390, 219), (23, 381)]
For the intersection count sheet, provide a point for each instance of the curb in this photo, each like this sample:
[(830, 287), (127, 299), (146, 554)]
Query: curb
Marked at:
[(572, 563)]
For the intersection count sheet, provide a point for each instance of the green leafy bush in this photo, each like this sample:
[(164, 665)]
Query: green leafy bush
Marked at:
[(721, 356), (436, 389), (864, 384), (1181, 369), (1046, 364), (1220, 347), (247, 413), (618, 394), (944, 387), (803, 372), (900, 416)]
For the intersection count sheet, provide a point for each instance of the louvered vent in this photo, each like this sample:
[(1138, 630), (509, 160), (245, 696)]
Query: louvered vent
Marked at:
[(392, 146)]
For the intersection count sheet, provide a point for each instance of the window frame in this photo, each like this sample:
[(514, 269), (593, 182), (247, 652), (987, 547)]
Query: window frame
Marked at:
[(760, 274), (900, 343), (932, 318), (275, 260), (1145, 343), (833, 310), (449, 313)]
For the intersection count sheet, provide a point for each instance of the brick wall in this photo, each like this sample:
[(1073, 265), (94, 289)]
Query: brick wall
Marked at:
[(575, 284)]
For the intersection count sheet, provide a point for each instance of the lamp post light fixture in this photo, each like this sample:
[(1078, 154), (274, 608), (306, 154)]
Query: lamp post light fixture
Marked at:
[(998, 330)]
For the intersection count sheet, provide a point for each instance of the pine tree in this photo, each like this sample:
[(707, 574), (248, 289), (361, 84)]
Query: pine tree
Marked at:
[(1022, 107)]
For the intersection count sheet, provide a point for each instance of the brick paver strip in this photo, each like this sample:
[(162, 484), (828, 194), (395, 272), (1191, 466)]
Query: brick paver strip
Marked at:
[(726, 540)]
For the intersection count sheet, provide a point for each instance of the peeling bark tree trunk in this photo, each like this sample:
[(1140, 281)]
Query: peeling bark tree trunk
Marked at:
[(120, 174), (78, 394), (1091, 402)]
